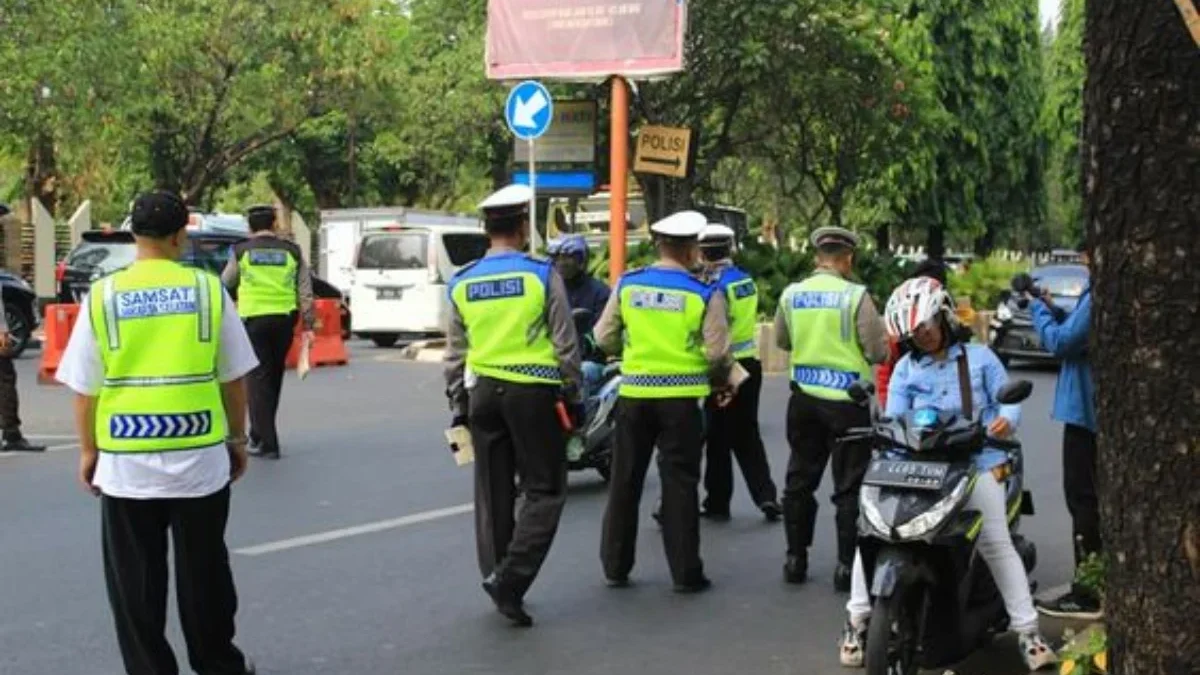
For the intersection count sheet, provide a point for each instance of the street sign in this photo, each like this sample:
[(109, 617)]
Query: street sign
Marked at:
[(529, 110), (664, 151), (571, 138)]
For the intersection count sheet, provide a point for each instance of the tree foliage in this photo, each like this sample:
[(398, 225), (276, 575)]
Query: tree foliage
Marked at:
[(1062, 121)]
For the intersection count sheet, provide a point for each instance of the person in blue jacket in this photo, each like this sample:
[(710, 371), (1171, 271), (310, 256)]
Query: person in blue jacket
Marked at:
[(1065, 335), (570, 255)]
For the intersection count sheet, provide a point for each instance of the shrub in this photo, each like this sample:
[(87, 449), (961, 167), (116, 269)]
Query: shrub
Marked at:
[(985, 280), (1086, 653)]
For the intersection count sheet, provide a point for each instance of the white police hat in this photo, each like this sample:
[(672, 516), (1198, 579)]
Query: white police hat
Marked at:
[(512, 198), (682, 225), (716, 231), (838, 236)]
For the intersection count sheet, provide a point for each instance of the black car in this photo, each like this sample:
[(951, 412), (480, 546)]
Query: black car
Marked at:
[(20, 310), (101, 253), (1013, 334)]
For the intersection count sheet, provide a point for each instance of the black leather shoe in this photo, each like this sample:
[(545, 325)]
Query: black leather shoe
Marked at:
[(772, 511), (841, 578), (697, 586), (795, 570), (506, 603), (715, 515), (18, 443), (262, 453)]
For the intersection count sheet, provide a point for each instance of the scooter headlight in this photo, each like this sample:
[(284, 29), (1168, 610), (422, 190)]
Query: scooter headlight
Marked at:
[(933, 518), (1003, 312), (868, 504)]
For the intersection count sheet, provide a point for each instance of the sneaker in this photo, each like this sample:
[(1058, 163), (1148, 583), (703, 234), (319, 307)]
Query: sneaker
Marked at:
[(1075, 604), (1035, 651), (853, 644)]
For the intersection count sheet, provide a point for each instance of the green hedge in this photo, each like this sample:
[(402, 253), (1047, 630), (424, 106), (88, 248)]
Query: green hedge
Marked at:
[(773, 269), (984, 281)]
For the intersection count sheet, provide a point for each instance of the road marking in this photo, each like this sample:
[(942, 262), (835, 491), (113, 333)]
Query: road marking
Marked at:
[(52, 437), (344, 533)]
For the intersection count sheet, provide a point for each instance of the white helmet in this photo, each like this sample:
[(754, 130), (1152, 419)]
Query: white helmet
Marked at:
[(915, 302)]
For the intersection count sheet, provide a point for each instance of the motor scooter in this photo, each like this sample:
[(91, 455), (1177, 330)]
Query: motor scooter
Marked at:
[(934, 599)]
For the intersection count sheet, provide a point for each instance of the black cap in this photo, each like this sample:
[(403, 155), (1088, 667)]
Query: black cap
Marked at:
[(158, 214)]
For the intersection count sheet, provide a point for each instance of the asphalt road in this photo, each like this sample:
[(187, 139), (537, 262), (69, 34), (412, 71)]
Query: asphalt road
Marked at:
[(355, 555)]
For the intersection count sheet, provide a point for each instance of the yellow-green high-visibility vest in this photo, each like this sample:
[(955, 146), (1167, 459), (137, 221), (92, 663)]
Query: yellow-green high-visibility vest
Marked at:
[(663, 312), (267, 269), (822, 319), (741, 293), (158, 325), (502, 301)]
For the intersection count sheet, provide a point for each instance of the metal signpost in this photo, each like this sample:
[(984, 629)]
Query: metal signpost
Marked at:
[(528, 113)]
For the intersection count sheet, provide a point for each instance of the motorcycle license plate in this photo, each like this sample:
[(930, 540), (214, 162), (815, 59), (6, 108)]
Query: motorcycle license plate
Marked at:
[(389, 293), (907, 474)]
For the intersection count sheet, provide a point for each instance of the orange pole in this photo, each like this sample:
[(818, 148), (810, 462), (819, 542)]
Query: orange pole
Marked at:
[(618, 177)]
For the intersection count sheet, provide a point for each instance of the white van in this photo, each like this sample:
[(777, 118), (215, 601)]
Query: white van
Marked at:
[(398, 286)]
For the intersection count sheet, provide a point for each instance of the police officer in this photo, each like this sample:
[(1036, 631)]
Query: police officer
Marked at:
[(272, 282), (10, 419), (676, 347), (511, 328), (157, 360), (834, 333), (733, 430)]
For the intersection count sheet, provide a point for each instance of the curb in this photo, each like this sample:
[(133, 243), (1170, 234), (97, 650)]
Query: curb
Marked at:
[(425, 351)]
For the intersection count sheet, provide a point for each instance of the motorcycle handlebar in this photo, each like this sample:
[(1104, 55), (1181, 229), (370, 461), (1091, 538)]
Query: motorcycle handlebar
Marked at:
[(1003, 444)]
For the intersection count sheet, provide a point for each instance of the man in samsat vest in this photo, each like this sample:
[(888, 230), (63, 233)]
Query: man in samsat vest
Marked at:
[(834, 333), (272, 283), (673, 332), (511, 328), (733, 430), (157, 360)]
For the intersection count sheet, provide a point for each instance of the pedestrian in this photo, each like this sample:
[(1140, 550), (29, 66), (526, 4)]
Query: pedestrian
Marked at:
[(510, 326), (733, 430), (272, 283), (10, 418), (1065, 335), (157, 360), (673, 329), (834, 333)]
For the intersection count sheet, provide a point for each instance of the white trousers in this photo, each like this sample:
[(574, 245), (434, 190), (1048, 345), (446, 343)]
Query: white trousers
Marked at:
[(995, 546)]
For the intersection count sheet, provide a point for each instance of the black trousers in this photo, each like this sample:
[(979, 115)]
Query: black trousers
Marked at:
[(1079, 487), (10, 421), (814, 426), (733, 432), (134, 536), (674, 426), (271, 336), (520, 449)]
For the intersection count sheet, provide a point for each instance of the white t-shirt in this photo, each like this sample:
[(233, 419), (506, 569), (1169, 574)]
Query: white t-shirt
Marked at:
[(165, 475)]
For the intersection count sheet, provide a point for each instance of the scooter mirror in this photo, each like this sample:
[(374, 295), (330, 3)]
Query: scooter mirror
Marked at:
[(861, 391), (1021, 283), (1014, 392)]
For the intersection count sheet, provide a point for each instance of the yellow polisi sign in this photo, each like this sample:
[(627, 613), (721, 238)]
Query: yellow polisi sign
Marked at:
[(664, 151)]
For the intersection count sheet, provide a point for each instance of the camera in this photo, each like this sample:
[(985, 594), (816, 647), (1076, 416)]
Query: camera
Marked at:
[(1023, 286)]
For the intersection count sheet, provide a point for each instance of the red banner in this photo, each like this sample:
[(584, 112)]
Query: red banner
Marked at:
[(584, 39)]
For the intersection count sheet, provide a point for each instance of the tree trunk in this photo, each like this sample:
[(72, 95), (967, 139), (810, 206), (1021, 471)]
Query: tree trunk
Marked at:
[(1141, 164), (935, 244), (883, 238), (41, 172), (986, 242)]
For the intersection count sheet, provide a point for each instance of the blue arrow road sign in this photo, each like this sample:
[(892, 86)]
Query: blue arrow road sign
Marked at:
[(529, 110)]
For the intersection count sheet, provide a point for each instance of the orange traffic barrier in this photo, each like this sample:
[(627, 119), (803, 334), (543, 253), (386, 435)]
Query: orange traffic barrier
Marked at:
[(327, 348), (60, 319)]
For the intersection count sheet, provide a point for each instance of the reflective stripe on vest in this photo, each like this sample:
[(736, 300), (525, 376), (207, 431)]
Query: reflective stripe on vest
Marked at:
[(157, 324), (267, 281), (826, 356), (663, 312), (502, 301), (741, 293)]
